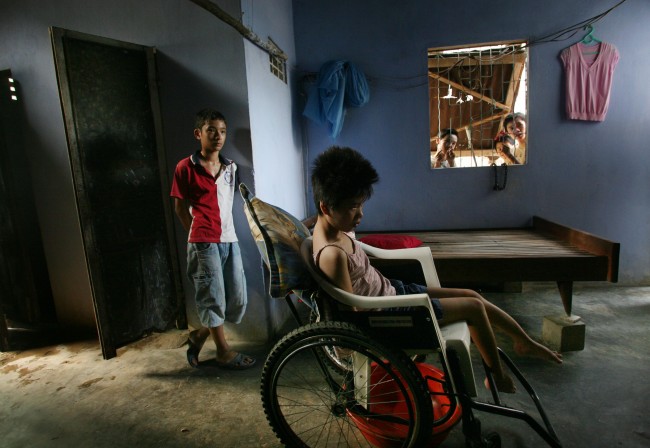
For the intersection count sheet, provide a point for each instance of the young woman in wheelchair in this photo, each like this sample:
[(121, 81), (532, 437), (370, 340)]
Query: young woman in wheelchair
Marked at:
[(342, 180)]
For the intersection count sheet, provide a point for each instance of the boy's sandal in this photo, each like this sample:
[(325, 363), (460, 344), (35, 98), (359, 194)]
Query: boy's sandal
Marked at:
[(193, 353), (239, 362)]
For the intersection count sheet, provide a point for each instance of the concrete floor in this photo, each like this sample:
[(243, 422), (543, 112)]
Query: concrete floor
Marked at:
[(68, 396)]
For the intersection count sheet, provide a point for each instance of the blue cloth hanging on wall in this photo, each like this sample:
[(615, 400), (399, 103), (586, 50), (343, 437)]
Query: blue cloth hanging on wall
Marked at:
[(340, 84)]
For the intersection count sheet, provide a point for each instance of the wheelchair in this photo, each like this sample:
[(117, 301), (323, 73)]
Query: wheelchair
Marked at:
[(352, 376)]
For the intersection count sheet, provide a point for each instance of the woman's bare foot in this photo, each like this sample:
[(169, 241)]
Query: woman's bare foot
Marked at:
[(537, 350), (503, 382)]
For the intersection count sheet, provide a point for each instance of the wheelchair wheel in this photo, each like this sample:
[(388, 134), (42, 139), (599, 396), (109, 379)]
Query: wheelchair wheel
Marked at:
[(382, 401), (325, 313)]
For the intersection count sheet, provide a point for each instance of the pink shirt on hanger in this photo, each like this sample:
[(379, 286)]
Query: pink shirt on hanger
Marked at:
[(588, 79)]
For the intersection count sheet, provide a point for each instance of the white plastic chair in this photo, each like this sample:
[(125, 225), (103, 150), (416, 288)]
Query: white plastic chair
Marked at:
[(454, 336)]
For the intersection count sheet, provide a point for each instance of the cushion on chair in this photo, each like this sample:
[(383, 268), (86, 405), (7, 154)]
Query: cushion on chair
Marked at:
[(391, 241), (278, 236)]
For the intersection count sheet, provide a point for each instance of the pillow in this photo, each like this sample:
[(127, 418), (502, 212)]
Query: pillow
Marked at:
[(391, 241), (278, 236)]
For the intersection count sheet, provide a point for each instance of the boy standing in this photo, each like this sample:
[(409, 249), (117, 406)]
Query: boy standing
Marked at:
[(203, 190)]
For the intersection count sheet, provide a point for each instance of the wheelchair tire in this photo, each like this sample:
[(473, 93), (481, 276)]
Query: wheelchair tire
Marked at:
[(324, 313), (308, 403)]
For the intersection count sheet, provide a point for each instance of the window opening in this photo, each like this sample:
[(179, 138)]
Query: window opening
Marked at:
[(278, 65), (472, 89)]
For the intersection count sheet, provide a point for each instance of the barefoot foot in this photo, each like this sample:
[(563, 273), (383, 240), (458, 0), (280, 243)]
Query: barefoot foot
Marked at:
[(503, 382), (537, 350)]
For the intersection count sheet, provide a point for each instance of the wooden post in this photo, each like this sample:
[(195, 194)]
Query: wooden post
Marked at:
[(236, 24), (566, 292)]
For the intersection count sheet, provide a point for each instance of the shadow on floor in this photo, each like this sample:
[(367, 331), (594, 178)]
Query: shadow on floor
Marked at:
[(66, 394)]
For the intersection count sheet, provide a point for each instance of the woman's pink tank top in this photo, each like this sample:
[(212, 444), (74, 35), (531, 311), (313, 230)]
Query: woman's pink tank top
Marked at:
[(366, 280)]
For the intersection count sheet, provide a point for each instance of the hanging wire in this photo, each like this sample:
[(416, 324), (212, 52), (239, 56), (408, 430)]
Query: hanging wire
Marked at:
[(569, 32), (417, 81)]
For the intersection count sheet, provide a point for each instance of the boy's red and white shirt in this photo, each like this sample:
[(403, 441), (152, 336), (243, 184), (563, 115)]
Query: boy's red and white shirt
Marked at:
[(211, 199)]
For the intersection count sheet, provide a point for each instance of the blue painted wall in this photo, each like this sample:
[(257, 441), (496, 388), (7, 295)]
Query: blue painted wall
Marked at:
[(592, 176), (201, 63)]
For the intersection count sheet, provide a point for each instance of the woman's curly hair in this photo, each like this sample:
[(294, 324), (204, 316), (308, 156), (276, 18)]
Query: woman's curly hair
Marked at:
[(339, 174)]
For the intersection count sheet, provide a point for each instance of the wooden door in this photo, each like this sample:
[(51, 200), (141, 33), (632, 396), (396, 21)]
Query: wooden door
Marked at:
[(110, 104)]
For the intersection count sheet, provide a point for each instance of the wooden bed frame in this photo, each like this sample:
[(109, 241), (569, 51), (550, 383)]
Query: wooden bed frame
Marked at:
[(546, 251)]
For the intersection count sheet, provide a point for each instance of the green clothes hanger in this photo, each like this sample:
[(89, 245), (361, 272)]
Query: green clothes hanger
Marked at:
[(590, 40)]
